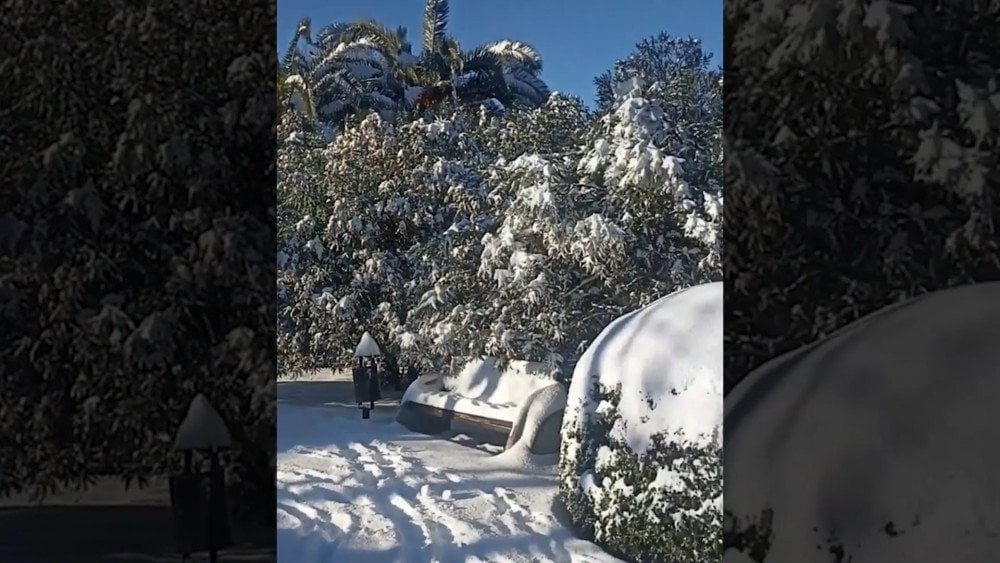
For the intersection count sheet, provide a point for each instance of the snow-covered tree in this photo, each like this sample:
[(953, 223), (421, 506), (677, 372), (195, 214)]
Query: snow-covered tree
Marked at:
[(352, 225), (521, 235), (352, 68), (658, 157), (137, 232), (876, 161)]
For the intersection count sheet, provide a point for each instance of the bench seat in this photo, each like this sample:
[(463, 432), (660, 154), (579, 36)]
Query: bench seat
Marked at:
[(480, 403), (506, 412)]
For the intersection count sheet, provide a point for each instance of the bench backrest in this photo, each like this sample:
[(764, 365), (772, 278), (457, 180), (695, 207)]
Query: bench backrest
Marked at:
[(480, 379)]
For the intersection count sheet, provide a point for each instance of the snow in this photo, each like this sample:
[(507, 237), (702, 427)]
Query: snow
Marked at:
[(481, 381), (449, 401), (202, 428), (367, 346), (541, 404), (667, 357), (481, 389), (889, 420), (369, 490)]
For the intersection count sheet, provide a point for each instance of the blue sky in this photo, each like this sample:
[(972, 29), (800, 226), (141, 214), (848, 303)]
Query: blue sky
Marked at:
[(578, 40)]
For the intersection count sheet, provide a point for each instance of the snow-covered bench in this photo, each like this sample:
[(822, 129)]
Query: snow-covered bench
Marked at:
[(490, 406)]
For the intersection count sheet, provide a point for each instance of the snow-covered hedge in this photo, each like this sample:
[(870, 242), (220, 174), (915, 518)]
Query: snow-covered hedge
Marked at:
[(640, 466), (876, 443)]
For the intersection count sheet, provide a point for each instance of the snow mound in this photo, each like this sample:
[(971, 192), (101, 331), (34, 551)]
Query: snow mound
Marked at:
[(202, 428), (367, 346), (482, 379), (532, 427), (881, 436), (667, 357)]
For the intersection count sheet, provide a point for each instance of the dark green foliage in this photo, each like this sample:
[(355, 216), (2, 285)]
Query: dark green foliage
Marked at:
[(678, 63), (639, 522)]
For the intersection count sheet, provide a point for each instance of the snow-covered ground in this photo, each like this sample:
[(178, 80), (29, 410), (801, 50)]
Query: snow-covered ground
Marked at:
[(351, 489)]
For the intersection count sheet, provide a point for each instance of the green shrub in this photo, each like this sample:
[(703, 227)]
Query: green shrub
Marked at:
[(629, 511)]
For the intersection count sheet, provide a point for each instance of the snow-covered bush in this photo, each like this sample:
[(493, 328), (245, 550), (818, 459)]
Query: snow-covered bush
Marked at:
[(640, 467), (874, 444)]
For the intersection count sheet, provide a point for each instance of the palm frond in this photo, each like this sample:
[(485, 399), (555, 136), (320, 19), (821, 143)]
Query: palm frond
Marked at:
[(435, 22), (526, 87), (481, 59), (387, 39), (303, 29), (379, 101), (295, 85), (452, 52), (363, 50), (292, 56), (517, 52), (332, 34), (404, 43)]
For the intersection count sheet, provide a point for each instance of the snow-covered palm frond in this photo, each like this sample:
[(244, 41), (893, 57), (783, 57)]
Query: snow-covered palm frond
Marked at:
[(299, 95), (326, 64), (363, 58), (485, 69), (303, 28), (480, 58), (340, 84), (379, 101), (464, 79), (292, 54), (390, 41), (330, 35), (517, 53), (526, 87), (494, 107), (435, 22), (411, 93), (452, 52)]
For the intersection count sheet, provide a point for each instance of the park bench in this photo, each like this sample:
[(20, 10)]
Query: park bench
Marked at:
[(488, 406)]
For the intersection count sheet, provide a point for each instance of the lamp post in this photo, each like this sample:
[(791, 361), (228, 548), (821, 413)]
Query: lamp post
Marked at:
[(198, 497), (367, 388)]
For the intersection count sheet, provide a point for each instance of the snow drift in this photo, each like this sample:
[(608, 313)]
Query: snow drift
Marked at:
[(878, 441), (667, 358), (646, 394), (523, 394)]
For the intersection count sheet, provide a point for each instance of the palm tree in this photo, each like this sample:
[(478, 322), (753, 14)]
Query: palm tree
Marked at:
[(356, 67), (506, 71), (347, 69)]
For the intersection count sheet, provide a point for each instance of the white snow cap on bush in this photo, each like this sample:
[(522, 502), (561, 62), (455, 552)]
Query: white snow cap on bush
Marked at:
[(883, 435), (367, 346), (202, 428), (667, 357)]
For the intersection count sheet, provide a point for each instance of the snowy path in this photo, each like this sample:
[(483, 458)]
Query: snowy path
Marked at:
[(369, 490)]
